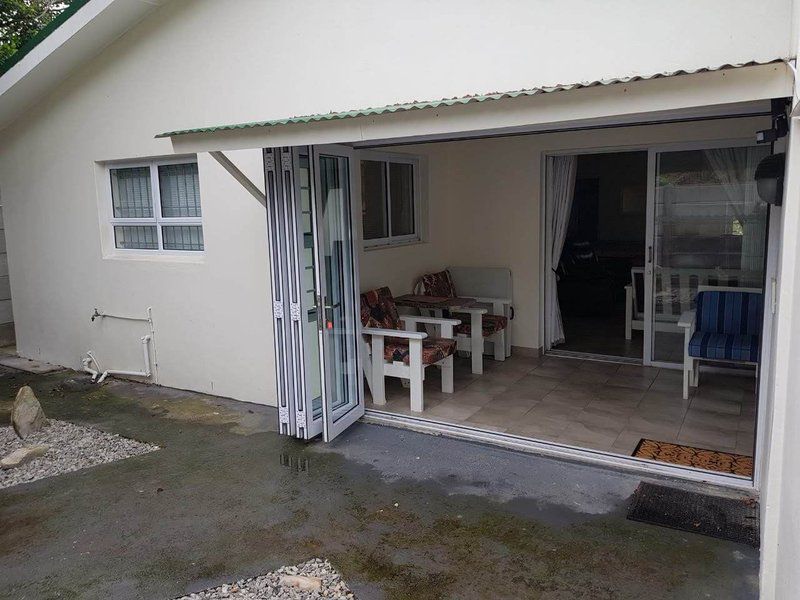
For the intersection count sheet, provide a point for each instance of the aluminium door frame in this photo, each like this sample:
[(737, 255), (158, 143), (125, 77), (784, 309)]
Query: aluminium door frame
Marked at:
[(332, 424), (285, 360), (545, 242), (653, 151), (306, 427), (544, 235), (285, 238)]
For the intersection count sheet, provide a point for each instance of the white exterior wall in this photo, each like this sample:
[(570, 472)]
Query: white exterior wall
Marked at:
[(6, 310), (780, 497)]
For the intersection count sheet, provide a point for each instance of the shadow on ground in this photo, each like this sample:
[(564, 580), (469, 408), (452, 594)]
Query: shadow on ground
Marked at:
[(400, 514)]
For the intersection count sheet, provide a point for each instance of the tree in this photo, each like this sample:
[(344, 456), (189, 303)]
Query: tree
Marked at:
[(20, 20)]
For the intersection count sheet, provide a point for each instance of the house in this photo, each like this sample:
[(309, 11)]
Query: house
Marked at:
[(196, 192)]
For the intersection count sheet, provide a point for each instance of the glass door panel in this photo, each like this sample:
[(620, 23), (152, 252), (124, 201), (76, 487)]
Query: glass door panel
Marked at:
[(343, 392), (290, 210), (709, 230), (308, 290), (314, 288)]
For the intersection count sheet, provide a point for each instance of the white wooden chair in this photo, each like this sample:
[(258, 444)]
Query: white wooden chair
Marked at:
[(487, 286), (391, 346), (674, 294)]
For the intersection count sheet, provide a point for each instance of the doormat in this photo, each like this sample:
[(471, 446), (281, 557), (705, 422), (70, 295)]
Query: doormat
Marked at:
[(689, 456), (734, 519)]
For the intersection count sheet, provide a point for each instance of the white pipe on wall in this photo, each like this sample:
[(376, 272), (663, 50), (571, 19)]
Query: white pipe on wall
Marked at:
[(147, 372), (88, 360)]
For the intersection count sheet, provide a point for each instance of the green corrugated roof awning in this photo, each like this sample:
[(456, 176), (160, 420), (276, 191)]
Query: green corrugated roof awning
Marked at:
[(393, 108)]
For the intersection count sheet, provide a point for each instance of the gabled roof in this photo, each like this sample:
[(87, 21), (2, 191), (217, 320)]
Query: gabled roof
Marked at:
[(23, 51), (71, 39)]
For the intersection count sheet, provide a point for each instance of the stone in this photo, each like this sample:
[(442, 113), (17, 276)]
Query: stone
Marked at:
[(23, 455), (302, 582), (27, 416), (77, 384)]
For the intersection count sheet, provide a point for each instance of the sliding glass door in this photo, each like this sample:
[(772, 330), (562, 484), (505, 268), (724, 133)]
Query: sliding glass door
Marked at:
[(708, 228)]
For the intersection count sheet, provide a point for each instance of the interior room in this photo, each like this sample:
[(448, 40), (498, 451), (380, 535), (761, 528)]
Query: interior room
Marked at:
[(462, 219), (603, 249)]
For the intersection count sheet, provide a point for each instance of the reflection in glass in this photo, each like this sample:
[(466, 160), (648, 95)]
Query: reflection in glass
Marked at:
[(374, 199), (336, 251), (308, 290), (710, 229), (401, 189)]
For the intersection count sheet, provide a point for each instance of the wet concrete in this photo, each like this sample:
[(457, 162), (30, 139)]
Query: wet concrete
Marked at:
[(400, 514)]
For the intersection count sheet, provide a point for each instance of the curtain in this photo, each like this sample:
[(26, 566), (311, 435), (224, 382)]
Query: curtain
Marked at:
[(735, 169), (559, 192)]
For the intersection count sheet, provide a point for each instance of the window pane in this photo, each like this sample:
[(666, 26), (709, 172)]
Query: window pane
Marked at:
[(131, 193), (136, 237), (182, 237), (373, 199), (180, 190), (401, 186)]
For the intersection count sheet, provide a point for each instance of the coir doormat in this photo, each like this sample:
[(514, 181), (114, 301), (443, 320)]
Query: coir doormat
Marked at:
[(734, 519), (710, 460)]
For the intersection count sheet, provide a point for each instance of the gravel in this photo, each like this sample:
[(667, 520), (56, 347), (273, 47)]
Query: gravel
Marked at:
[(71, 447), (271, 587)]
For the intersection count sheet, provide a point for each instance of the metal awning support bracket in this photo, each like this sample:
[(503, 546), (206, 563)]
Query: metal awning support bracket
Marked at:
[(237, 174)]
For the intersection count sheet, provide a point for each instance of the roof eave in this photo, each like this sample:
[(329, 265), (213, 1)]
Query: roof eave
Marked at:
[(410, 106)]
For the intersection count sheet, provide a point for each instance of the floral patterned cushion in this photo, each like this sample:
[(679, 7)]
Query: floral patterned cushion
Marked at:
[(379, 310), (438, 284), (491, 324), (433, 350)]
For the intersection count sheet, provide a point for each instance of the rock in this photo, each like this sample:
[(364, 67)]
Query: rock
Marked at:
[(27, 416), (77, 384), (20, 456), (301, 582)]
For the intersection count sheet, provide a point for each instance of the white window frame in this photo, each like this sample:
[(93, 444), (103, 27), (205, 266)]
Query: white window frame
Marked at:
[(157, 220), (419, 194)]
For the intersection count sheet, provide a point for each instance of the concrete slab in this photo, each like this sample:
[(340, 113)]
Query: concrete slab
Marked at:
[(28, 365), (399, 514)]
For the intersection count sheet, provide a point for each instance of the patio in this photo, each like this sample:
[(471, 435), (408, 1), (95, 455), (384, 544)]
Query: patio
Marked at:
[(399, 514), (597, 405)]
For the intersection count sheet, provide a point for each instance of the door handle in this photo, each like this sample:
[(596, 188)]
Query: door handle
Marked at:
[(650, 255), (326, 322)]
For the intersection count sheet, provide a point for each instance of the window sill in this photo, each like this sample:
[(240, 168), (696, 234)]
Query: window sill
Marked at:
[(389, 245), (193, 258)]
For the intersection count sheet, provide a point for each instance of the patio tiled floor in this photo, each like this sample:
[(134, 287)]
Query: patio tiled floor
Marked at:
[(597, 405)]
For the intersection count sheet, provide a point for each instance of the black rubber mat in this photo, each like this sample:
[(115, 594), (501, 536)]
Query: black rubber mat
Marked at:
[(732, 519)]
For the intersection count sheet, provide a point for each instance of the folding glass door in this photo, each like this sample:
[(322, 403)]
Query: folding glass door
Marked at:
[(708, 228), (315, 296)]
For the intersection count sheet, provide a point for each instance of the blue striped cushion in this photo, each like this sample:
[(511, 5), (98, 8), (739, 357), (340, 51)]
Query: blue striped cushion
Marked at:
[(736, 313), (723, 346)]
